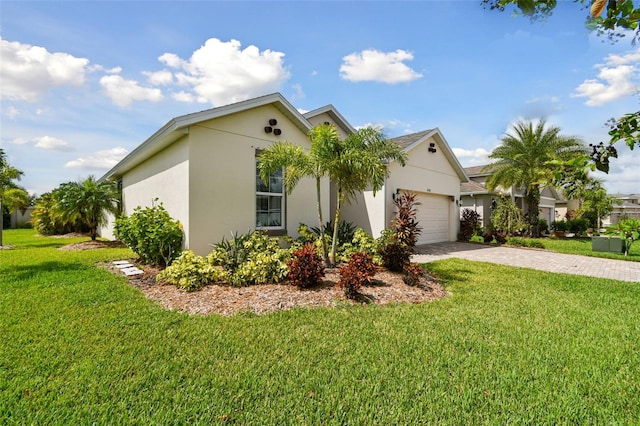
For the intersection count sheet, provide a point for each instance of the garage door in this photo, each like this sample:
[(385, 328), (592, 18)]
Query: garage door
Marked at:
[(433, 218)]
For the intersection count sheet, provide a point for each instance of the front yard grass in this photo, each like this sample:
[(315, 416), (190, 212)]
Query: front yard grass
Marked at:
[(510, 345), (582, 246)]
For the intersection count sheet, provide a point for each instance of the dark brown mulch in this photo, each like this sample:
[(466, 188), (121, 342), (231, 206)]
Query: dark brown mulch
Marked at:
[(226, 300)]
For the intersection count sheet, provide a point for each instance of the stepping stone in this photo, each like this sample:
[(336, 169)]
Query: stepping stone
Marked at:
[(132, 271), (120, 262), (125, 265)]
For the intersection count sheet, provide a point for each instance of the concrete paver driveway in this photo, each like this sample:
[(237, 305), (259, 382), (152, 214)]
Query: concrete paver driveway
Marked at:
[(534, 259)]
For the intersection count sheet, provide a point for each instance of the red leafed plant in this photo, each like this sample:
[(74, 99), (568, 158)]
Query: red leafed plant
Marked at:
[(412, 273), (358, 272), (398, 249), (305, 267)]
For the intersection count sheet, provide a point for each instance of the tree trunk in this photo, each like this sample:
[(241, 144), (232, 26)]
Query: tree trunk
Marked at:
[(325, 250), (532, 195), (334, 241)]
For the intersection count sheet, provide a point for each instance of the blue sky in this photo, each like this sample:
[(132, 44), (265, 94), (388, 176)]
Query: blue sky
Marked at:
[(84, 83)]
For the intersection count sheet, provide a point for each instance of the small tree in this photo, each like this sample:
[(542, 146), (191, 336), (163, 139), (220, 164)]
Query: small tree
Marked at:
[(629, 230), (87, 201), (469, 224), (397, 251), (10, 194), (507, 217)]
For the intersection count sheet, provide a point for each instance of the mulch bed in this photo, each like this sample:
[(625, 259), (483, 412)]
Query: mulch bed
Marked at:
[(387, 287)]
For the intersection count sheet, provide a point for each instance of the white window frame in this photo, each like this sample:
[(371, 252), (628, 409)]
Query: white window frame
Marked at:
[(270, 194)]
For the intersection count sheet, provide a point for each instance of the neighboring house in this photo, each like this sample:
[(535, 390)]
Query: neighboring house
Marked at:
[(202, 167), (433, 173), (19, 217), (629, 207), (475, 196)]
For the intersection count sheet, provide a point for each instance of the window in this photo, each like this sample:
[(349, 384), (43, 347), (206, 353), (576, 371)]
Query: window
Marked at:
[(269, 201)]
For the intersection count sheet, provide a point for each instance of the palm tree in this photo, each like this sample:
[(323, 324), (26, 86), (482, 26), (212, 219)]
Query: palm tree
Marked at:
[(525, 159), (352, 164), (11, 195), (357, 163), (87, 201), (297, 164)]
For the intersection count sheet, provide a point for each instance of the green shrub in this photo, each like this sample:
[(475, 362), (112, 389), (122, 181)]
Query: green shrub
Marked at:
[(362, 242), (524, 242), (578, 226), (629, 230), (469, 224), (152, 234), (191, 272), (305, 267), (346, 231), (543, 226), (253, 258), (477, 239), (358, 272), (559, 225)]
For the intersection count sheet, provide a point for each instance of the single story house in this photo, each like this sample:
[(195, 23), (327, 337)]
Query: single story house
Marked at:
[(475, 196), (202, 167)]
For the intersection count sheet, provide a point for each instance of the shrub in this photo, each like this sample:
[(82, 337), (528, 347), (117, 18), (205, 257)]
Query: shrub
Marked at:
[(412, 274), (152, 234), (358, 272), (305, 267), (191, 272), (477, 239), (577, 226), (399, 247), (496, 236), (629, 230), (559, 225), (253, 258), (346, 231), (362, 242), (542, 225), (469, 224), (507, 217), (524, 242)]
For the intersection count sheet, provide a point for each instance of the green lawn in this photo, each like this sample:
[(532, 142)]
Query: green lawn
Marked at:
[(510, 346), (583, 246)]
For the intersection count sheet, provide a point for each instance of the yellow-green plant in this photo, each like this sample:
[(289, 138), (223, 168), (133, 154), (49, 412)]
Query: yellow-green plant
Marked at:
[(190, 272)]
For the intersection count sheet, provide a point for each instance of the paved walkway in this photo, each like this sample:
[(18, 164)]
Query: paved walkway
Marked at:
[(535, 259)]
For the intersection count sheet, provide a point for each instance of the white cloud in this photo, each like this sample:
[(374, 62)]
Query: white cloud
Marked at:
[(624, 175), (617, 78), (221, 72), (19, 141), (51, 143), (101, 160), (11, 112), (472, 157), (29, 71), (159, 78), (373, 65), (123, 92)]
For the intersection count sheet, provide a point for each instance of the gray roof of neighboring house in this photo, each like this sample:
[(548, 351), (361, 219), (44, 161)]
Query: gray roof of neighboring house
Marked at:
[(472, 187), (476, 171)]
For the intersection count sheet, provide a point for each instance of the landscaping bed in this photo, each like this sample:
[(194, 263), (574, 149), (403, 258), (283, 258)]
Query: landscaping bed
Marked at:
[(387, 287)]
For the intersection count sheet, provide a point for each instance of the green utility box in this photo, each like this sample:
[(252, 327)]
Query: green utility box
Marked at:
[(605, 243)]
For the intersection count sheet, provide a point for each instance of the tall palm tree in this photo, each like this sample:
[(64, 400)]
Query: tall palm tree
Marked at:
[(358, 163), (87, 201), (525, 159), (11, 195), (296, 164)]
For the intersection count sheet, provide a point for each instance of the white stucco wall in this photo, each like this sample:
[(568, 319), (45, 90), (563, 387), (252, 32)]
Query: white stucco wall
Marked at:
[(165, 177), (222, 190), (425, 172)]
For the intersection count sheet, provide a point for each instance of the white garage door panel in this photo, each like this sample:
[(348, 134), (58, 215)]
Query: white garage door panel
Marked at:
[(433, 218)]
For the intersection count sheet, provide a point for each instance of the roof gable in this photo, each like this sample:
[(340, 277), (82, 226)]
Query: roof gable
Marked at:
[(332, 112), (178, 127), (409, 142)]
